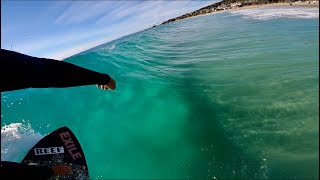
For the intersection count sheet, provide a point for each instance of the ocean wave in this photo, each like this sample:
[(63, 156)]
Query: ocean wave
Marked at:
[(16, 140), (267, 13), (234, 103)]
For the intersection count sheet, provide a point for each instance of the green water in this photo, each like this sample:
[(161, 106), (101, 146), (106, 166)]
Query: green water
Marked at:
[(212, 97)]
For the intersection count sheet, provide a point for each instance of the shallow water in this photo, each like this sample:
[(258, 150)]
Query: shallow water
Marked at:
[(229, 95)]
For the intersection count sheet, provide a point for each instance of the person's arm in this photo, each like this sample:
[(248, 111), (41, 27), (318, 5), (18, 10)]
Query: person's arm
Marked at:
[(21, 71), (13, 170)]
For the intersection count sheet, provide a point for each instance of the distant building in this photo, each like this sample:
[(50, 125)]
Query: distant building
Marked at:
[(237, 4), (222, 7), (203, 11)]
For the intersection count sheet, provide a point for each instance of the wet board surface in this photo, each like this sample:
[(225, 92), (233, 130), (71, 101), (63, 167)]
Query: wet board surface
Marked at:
[(60, 147)]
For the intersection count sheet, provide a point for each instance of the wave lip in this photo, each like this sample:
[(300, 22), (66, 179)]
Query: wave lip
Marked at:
[(267, 13)]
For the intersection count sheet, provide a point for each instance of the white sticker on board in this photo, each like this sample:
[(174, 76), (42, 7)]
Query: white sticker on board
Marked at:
[(48, 150)]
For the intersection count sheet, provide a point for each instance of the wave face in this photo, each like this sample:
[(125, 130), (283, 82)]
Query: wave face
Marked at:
[(224, 96)]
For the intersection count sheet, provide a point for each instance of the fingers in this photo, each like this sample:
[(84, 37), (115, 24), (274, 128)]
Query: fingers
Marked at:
[(110, 86), (62, 169), (104, 87), (69, 170)]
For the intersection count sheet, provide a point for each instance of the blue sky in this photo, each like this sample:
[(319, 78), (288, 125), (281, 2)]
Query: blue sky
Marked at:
[(59, 29)]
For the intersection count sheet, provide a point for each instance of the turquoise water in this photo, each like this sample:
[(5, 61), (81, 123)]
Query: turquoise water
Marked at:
[(224, 96)]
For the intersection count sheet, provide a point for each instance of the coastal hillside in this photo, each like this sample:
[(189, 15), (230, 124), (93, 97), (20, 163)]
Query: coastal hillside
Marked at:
[(232, 4)]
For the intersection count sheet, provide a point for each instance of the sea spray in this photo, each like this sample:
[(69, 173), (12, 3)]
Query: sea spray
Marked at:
[(16, 141)]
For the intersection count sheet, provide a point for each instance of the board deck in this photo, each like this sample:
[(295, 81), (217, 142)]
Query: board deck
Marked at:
[(60, 147)]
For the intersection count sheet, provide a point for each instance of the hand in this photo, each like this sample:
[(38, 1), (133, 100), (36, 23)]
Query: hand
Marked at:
[(61, 170), (111, 85)]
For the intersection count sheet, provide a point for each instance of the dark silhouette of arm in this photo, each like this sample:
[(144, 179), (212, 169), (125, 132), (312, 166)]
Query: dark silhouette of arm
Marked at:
[(20, 71), (13, 170)]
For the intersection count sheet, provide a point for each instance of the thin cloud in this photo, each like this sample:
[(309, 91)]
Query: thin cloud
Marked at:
[(126, 9), (105, 16), (81, 11), (39, 44), (60, 55)]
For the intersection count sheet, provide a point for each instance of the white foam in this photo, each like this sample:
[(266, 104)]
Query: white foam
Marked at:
[(267, 13), (16, 140), (112, 47)]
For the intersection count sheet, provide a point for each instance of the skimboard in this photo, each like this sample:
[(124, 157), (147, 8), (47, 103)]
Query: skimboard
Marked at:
[(60, 147)]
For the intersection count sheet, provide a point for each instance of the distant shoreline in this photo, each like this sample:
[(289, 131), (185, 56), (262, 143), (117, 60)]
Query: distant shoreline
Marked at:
[(279, 4), (264, 5)]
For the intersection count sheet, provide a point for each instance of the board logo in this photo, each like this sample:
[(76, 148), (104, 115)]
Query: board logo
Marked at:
[(70, 145), (49, 150)]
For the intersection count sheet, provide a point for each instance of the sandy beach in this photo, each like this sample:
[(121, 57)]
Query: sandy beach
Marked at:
[(311, 4)]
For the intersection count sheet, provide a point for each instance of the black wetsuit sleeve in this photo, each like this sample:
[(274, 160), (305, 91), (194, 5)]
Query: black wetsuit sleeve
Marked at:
[(20, 71), (13, 170)]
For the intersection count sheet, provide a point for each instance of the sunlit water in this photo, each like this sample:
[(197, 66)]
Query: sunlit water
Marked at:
[(224, 96)]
